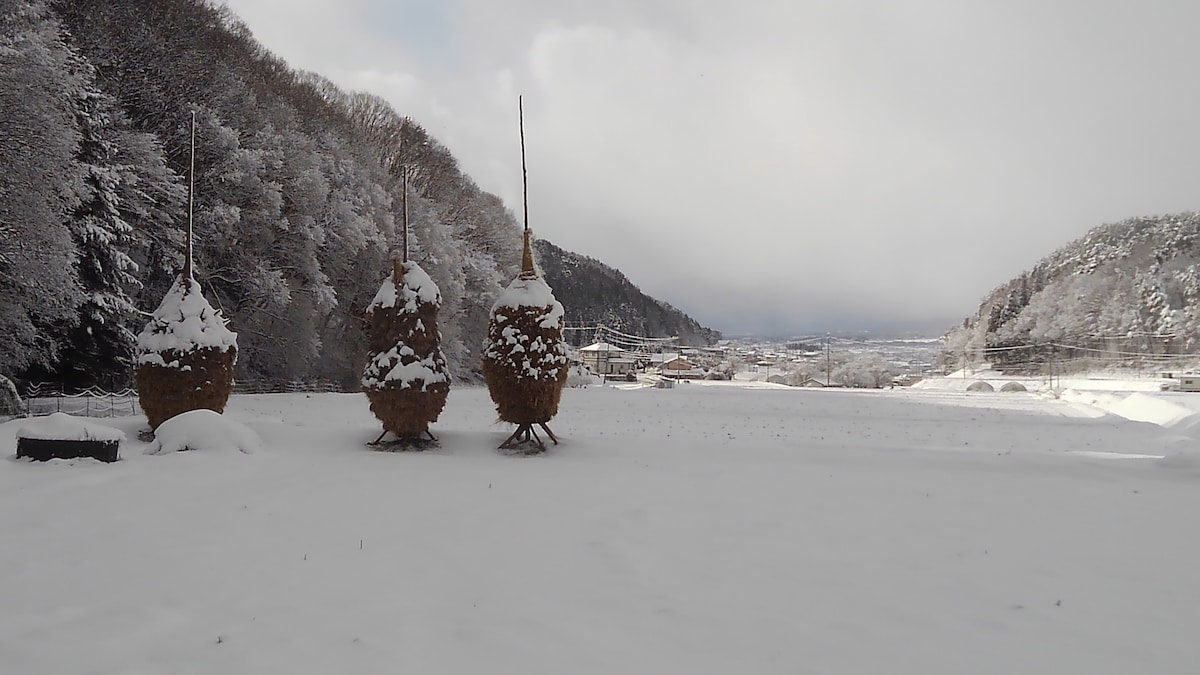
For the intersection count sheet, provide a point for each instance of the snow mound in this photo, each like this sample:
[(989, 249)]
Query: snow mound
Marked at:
[(1137, 406), (203, 430), (63, 427)]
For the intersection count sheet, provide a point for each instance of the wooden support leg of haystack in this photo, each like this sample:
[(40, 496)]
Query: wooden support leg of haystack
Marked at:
[(417, 442), (525, 433), (548, 432)]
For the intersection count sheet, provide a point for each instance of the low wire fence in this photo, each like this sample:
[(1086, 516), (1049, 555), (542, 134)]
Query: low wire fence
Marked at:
[(286, 387), (43, 398)]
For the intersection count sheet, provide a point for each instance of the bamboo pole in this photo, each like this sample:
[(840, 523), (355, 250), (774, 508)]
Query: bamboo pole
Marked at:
[(404, 215), (528, 270), (524, 175), (187, 264)]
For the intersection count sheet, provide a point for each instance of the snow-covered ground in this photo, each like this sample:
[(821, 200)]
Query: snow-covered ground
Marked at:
[(709, 528)]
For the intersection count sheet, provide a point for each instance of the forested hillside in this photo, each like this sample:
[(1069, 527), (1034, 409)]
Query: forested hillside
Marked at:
[(1123, 290), (297, 196), (594, 293)]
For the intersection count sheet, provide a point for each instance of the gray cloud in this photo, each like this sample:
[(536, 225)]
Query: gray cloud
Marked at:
[(779, 164)]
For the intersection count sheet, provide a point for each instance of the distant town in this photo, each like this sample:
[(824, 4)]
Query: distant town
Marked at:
[(825, 361)]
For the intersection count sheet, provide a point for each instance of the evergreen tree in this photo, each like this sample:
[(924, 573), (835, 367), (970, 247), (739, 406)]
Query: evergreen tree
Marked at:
[(38, 184), (101, 342)]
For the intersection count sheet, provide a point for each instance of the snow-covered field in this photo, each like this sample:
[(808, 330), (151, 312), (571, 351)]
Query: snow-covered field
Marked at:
[(710, 528)]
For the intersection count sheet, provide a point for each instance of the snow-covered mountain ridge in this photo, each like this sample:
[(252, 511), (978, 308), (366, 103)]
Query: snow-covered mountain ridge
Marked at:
[(1127, 289)]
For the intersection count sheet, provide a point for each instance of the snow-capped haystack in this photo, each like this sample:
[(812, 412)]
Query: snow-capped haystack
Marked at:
[(185, 355), (524, 359), (405, 377)]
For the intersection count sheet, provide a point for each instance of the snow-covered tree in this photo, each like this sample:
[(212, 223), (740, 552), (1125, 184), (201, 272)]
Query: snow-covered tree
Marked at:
[(101, 340), (864, 370), (38, 184)]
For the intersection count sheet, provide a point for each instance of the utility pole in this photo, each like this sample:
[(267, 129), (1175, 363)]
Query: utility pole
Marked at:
[(828, 375), (1053, 352)]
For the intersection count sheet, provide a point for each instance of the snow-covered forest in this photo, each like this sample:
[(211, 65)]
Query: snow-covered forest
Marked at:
[(297, 187), (1124, 290), (297, 198)]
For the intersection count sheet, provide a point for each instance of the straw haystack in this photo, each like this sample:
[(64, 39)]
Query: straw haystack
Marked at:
[(524, 359), (185, 355), (405, 378)]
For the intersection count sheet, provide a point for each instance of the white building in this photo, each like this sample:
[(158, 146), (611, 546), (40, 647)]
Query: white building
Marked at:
[(605, 359)]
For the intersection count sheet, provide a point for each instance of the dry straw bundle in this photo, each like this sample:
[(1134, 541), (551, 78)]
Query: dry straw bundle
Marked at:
[(185, 356), (524, 359), (405, 378), (186, 353)]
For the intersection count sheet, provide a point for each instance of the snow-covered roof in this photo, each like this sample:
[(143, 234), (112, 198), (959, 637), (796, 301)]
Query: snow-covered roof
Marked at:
[(601, 347)]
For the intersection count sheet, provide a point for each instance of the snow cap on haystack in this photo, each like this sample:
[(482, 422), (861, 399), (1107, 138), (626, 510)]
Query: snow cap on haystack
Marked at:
[(186, 355), (405, 378), (524, 359)]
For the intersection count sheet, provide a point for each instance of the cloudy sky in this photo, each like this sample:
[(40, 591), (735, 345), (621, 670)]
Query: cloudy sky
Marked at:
[(793, 165)]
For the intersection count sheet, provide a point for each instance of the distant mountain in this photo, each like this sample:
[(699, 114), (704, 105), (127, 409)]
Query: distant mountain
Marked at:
[(1124, 289), (595, 294), (299, 190)]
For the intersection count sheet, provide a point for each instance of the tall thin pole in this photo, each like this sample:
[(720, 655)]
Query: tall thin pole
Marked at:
[(404, 216), (524, 175), (187, 265), (828, 375)]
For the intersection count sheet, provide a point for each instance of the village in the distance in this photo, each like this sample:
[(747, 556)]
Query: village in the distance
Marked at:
[(812, 361)]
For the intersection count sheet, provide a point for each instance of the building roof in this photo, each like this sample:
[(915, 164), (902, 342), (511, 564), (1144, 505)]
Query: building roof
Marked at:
[(601, 347)]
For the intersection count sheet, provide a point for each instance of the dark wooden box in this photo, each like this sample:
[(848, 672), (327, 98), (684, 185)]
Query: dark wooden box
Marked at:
[(43, 449)]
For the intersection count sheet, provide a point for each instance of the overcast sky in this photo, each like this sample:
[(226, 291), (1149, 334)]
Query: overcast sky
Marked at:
[(794, 165)]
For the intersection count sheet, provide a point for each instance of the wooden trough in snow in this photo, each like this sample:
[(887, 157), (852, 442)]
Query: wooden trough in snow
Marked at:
[(61, 436)]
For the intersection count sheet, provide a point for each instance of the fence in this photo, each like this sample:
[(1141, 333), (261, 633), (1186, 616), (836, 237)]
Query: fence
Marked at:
[(42, 398), (1073, 357), (290, 387)]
